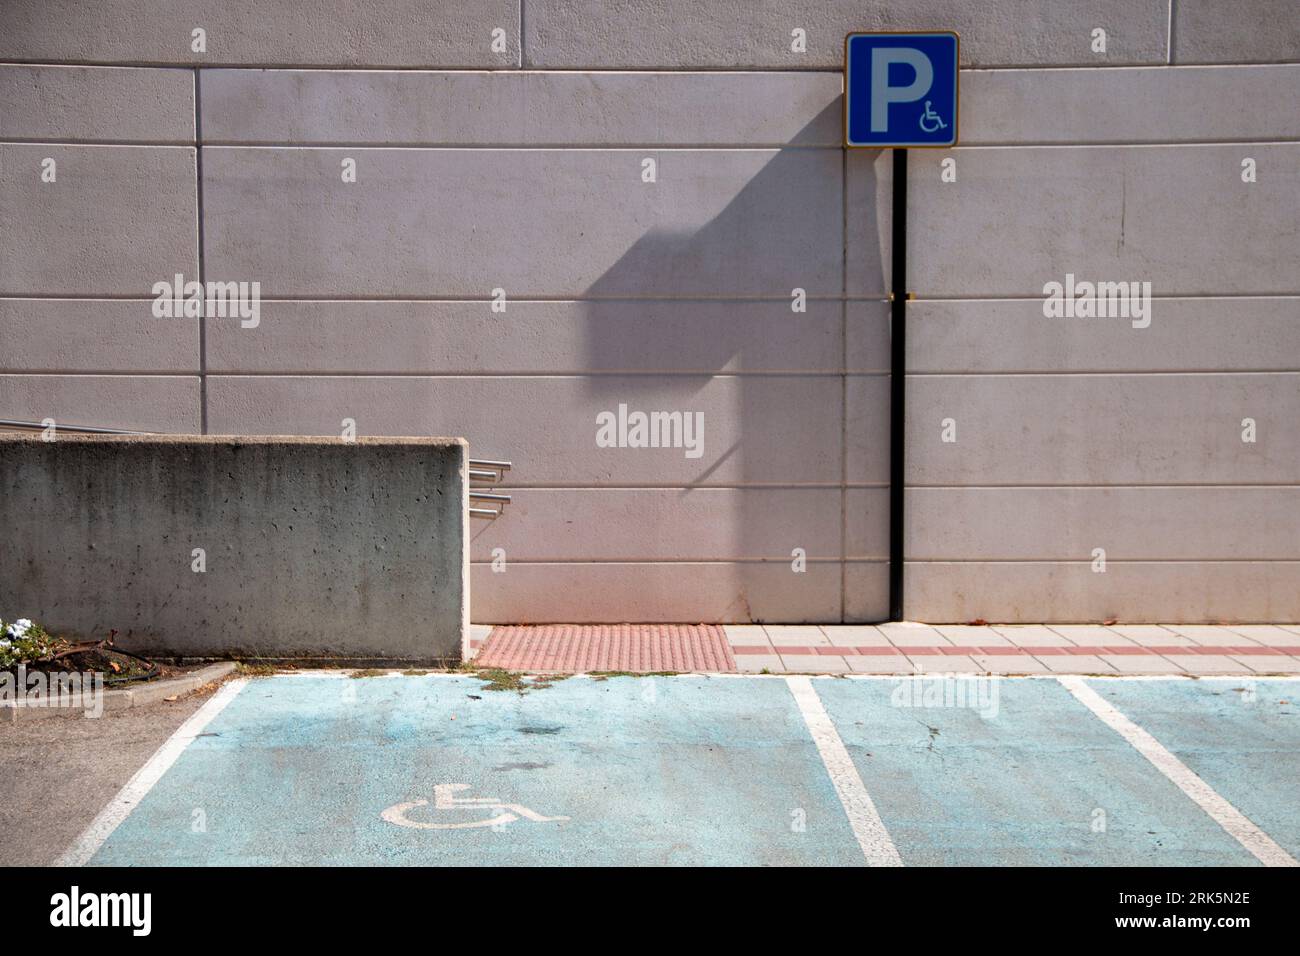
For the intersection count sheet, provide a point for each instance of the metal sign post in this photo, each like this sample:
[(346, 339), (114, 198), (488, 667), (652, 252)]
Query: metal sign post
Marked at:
[(900, 90)]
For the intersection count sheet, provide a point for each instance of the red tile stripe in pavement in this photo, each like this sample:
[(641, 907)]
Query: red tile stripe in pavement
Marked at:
[(578, 648), (1253, 650)]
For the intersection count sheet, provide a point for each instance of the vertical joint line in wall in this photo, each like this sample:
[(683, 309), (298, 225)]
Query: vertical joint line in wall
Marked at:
[(1169, 34), (198, 204), (521, 33)]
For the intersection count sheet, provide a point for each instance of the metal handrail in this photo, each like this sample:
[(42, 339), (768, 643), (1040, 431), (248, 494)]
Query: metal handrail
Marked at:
[(91, 429)]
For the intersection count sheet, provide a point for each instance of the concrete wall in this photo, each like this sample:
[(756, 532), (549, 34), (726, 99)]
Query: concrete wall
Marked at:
[(519, 167), (309, 546)]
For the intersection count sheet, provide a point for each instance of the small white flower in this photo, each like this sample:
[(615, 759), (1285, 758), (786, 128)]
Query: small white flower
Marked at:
[(19, 628)]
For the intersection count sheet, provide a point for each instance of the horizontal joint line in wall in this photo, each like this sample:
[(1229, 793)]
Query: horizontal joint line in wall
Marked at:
[(603, 147), (106, 373), (913, 486), (452, 299), (1126, 144), (503, 69), (510, 69), (778, 560), (519, 298), (720, 486), (574, 373), (157, 373), (516, 146), (1087, 562), (181, 144), (1005, 297), (581, 299), (498, 375), (52, 141), (1108, 373), (1181, 144), (1103, 68)]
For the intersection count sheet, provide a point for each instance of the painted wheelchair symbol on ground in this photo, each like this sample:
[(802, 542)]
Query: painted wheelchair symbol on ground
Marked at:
[(444, 799)]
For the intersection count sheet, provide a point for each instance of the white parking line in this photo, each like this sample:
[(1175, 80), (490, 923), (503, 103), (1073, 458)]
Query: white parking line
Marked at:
[(870, 831), (1259, 843), (120, 807)]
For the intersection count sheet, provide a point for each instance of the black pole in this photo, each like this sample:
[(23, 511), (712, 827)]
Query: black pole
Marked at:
[(897, 383)]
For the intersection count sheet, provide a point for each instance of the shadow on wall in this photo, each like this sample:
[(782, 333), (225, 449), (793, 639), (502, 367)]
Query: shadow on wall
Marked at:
[(783, 230)]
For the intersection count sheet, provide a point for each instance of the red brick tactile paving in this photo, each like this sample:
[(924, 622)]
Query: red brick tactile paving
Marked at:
[(588, 648)]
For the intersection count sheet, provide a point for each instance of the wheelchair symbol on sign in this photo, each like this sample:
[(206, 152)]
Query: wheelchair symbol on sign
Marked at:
[(931, 121), (444, 799)]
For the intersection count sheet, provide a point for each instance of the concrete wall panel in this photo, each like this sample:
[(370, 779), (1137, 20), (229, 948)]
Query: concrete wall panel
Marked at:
[(1012, 335), (866, 522), (1152, 105), (308, 547), (107, 104), (866, 336), (1179, 217), (1101, 429), (427, 33), (1066, 524), (765, 429), (670, 336), (866, 592), (661, 524), (533, 222), (151, 403), (866, 448), (742, 34), (649, 592), (115, 220), (94, 335), (1247, 31), (514, 109), (1190, 592)]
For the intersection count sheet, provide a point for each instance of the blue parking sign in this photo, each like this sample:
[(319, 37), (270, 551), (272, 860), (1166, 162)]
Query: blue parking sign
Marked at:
[(900, 89)]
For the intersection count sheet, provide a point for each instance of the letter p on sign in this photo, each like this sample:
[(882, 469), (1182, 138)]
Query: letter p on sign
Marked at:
[(900, 89)]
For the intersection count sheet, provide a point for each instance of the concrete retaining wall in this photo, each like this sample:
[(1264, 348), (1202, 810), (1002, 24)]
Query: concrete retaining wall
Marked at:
[(515, 160), (266, 547)]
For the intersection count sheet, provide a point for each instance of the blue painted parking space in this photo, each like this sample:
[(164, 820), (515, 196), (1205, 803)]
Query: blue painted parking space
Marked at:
[(1241, 736), (1020, 774), (302, 769), (436, 769)]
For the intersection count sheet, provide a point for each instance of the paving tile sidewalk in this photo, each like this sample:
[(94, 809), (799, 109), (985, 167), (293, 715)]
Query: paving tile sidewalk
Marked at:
[(910, 648)]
